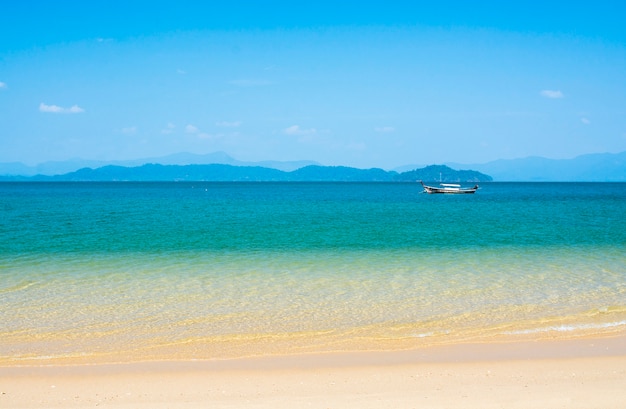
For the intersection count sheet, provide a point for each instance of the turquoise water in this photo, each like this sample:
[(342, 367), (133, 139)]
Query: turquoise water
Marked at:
[(133, 271)]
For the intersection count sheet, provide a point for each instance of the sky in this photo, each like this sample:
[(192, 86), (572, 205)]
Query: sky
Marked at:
[(362, 84)]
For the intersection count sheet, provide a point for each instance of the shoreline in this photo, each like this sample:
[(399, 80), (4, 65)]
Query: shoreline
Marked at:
[(503, 349), (281, 348), (581, 373)]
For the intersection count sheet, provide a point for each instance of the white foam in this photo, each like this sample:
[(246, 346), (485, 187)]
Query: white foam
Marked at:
[(424, 335), (566, 328)]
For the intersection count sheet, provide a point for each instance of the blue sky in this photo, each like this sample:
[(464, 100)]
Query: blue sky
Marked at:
[(364, 84)]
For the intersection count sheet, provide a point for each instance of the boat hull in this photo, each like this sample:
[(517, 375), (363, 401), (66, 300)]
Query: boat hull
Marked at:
[(449, 190)]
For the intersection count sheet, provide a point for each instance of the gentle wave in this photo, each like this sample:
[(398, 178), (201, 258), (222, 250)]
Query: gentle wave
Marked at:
[(567, 328), (18, 287)]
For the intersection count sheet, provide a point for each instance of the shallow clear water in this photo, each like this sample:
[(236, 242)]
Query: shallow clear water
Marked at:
[(128, 271)]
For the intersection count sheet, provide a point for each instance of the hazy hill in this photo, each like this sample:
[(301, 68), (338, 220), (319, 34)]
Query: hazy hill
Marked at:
[(340, 174), (598, 167), (230, 173), (444, 173), (604, 167), (51, 168)]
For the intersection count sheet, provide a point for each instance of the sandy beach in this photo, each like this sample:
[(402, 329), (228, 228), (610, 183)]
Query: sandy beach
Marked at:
[(587, 373)]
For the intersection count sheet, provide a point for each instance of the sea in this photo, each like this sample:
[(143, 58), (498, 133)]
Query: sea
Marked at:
[(125, 271)]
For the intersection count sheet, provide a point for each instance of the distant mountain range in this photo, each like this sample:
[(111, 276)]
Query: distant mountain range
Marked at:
[(605, 167), (61, 167), (598, 167), (230, 173)]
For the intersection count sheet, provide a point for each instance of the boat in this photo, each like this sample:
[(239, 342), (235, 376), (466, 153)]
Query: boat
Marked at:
[(452, 188)]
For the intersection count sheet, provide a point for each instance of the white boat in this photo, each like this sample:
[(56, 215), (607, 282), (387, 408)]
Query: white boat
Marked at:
[(452, 188)]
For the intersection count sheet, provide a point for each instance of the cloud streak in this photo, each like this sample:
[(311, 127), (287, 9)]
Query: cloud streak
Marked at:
[(552, 94), (296, 130), (55, 109), (3, 85), (168, 129), (191, 129), (131, 130), (194, 130), (385, 129), (226, 124)]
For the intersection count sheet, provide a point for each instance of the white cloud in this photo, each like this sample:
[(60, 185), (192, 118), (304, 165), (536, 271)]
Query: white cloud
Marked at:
[(181, 72), (585, 121), (191, 129), (75, 109), (296, 130), (548, 93), (3, 85), (168, 129), (55, 109), (385, 129), (226, 124), (131, 130), (194, 130), (50, 108)]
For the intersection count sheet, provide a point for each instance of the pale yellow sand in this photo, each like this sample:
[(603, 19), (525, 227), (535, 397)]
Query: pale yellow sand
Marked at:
[(572, 374)]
